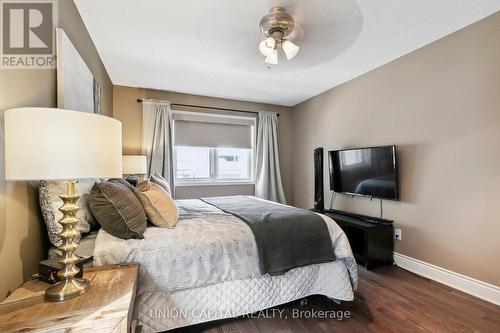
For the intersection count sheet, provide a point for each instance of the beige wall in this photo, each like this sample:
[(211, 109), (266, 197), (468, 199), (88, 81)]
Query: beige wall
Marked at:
[(128, 111), (441, 106), (22, 240)]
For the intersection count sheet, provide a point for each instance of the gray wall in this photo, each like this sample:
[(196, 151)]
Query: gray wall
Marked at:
[(441, 106)]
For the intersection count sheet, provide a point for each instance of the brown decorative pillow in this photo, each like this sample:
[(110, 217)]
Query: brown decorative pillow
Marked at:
[(117, 210), (159, 180), (158, 204)]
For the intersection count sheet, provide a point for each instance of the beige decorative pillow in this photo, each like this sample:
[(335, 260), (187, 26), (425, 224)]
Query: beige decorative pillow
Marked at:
[(159, 206)]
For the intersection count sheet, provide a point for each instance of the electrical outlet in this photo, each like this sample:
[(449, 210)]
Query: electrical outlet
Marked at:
[(397, 234)]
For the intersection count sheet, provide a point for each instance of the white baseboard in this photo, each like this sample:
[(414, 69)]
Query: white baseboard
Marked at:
[(480, 289)]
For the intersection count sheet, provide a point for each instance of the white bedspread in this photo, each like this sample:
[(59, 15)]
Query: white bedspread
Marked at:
[(207, 246)]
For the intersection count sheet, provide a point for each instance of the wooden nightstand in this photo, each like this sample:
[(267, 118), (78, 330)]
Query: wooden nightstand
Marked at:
[(106, 307)]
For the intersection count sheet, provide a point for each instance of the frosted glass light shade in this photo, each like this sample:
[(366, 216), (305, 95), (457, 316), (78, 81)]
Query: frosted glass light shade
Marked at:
[(266, 47), (48, 143), (134, 165), (272, 58), (290, 49)]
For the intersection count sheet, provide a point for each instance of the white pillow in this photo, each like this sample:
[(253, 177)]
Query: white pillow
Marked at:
[(49, 192)]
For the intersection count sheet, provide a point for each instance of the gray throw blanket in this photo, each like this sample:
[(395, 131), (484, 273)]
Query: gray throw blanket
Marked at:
[(286, 237)]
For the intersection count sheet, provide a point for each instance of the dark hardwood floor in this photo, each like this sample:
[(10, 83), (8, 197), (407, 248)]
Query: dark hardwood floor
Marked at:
[(389, 299)]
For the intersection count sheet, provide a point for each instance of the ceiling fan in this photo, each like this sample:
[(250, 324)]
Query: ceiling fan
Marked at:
[(275, 26)]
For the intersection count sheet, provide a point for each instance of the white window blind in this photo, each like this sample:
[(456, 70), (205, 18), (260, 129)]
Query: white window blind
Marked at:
[(200, 130)]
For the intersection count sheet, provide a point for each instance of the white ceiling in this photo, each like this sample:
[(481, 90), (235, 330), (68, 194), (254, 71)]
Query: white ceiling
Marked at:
[(210, 47)]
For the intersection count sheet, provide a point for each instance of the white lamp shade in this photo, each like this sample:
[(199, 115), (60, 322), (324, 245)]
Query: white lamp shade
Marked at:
[(134, 165), (290, 49), (48, 143), (272, 58), (266, 46)]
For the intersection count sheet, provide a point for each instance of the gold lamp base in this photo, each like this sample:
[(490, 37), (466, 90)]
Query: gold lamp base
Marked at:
[(68, 287)]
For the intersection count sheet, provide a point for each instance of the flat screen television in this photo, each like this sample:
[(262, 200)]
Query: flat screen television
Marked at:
[(370, 172)]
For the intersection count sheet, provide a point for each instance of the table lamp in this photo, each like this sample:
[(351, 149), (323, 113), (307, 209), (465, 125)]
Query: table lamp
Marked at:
[(52, 144), (134, 165)]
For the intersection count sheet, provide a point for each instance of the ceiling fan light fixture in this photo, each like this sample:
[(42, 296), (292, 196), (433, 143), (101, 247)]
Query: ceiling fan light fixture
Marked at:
[(272, 58), (266, 47), (275, 26), (290, 49)]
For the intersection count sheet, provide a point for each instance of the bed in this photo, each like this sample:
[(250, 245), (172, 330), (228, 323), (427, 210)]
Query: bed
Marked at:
[(207, 268)]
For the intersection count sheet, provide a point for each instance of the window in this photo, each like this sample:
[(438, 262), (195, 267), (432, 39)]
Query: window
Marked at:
[(233, 163), (198, 154), (195, 165)]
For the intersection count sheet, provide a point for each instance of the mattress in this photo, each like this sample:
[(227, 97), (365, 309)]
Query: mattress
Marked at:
[(161, 311)]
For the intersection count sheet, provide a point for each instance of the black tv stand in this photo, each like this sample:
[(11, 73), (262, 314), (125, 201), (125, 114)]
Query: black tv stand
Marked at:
[(364, 218), (371, 238)]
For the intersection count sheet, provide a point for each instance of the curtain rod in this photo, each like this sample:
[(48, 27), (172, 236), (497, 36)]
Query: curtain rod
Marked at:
[(140, 100)]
